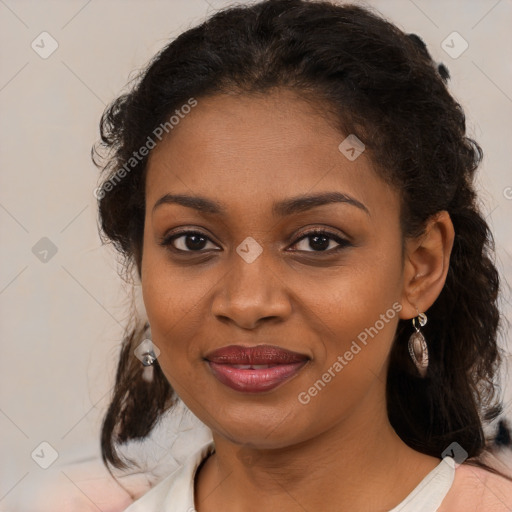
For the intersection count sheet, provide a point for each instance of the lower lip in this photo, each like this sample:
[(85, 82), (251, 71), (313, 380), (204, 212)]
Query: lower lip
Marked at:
[(255, 381)]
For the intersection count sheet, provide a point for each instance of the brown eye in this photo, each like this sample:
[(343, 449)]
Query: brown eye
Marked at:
[(320, 241), (187, 241), (195, 241)]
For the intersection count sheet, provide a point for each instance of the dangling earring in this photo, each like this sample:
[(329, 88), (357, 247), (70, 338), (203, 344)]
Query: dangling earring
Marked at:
[(418, 346), (145, 352)]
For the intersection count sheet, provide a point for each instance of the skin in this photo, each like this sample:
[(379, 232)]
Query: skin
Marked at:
[(272, 451)]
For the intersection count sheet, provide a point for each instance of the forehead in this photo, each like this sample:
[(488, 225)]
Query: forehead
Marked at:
[(245, 149)]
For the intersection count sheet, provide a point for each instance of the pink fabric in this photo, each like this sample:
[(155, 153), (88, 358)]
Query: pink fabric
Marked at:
[(88, 487), (83, 487)]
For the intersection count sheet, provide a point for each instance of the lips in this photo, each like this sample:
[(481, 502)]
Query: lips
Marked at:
[(254, 369)]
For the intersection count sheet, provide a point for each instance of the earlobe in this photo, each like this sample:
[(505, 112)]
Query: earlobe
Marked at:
[(426, 263)]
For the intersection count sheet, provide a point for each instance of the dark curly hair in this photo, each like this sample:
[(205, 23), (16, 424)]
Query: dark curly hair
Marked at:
[(382, 85)]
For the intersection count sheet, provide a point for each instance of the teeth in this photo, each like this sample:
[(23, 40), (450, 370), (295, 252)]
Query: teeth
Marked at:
[(251, 366)]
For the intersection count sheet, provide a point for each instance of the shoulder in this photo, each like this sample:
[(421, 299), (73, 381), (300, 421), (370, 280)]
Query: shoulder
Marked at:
[(176, 492), (475, 489)]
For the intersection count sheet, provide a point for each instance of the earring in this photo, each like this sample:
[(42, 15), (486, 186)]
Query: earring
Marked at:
[(418, 346), (145, 352)]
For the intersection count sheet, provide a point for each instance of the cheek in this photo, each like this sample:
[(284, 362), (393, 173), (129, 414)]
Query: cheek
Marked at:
[(176, 310), (358, 312), (169, 292), (354, 295), (170, 311)]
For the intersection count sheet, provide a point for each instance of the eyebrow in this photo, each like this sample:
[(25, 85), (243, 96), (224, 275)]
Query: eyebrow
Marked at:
[(282, 208)]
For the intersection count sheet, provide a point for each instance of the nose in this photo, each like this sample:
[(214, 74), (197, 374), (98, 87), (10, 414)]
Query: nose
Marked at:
[(250, 293)]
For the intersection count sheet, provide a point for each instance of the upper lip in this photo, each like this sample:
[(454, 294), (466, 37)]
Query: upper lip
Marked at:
[(259, 354)]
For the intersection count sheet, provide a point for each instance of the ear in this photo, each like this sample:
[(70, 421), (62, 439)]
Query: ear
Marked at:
[(426, 263)]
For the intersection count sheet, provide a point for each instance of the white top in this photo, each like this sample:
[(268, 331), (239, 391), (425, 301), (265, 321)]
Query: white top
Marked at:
[(176, 492)]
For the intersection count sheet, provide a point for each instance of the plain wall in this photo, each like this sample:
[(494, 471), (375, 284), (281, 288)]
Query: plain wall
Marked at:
[(61, 320)]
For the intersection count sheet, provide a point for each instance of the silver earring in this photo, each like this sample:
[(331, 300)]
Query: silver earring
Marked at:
[(418, 346), (145, 352)]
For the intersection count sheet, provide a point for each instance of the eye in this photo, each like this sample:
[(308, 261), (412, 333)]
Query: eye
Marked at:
[(188, 241), (195, 241), (320, 240)]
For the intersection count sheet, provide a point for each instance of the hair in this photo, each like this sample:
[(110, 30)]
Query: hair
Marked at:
[(382, 85)]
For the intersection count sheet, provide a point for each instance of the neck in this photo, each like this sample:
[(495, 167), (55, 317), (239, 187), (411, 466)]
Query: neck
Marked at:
[(360, 464)]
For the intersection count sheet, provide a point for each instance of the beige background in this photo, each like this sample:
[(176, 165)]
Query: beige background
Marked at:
[(61, 320)]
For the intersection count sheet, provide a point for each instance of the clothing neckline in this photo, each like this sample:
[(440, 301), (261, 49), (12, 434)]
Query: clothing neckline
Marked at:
[(176, 492), (427, 496)]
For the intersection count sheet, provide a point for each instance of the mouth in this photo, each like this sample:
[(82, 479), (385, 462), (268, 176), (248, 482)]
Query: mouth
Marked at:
[(254, 369)]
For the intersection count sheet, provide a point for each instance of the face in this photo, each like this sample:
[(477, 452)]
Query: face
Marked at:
[(320, 279)]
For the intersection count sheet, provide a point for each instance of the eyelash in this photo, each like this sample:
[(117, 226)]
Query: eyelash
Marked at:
[(167, 240)]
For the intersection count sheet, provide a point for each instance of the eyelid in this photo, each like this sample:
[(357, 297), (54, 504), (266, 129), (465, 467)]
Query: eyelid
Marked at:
[(167, 239), (341, 240)]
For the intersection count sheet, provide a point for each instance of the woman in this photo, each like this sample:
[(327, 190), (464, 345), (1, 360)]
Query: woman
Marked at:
[(293, 185)]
